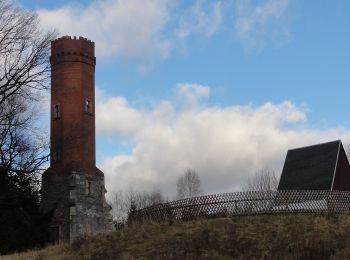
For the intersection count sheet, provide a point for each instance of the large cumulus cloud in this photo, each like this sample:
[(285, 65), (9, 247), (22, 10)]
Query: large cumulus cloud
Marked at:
[(223, 144)]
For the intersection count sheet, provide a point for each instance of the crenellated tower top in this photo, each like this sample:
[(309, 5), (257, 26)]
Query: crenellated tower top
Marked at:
[(69, 48)]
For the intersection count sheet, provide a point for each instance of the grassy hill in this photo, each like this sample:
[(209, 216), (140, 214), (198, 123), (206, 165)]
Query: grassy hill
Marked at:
[(254, 237)]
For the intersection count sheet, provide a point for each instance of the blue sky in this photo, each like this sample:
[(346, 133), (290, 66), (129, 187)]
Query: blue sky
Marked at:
[(165, 64)]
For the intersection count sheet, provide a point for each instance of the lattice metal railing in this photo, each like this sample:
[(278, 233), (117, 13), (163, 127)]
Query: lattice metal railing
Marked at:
[(247, 203)]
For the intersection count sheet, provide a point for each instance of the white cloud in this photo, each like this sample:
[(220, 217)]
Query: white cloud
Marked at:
[(126, 119), (148, 31), (224, 144), (129, 28), (202, 19), (191, 94), (254, 25), (145, 31)]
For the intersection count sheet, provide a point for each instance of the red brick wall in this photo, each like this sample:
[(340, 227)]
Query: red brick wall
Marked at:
[(72, 82)]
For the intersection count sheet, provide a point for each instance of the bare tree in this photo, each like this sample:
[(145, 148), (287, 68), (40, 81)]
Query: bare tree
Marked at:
[(123, 201), (24, 71), (23, 153), (189, 185), (263, 180)]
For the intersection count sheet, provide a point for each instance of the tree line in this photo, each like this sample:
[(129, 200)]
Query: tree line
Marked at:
[(188, 185)]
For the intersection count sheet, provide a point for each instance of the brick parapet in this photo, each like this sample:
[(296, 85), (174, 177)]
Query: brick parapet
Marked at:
[(73, 57), (69, 48)]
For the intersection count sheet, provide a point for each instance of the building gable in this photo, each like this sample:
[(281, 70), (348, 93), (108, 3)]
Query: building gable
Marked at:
[(318, 167), (342, 176)]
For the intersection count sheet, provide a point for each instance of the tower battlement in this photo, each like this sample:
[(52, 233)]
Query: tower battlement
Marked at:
[(74, 38), (69, 48)]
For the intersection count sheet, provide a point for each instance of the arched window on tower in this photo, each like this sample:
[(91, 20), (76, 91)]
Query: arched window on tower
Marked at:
[(56, 111), (88, 106)]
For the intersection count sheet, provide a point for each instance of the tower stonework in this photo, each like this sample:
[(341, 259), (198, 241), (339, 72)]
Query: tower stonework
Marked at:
[(73, 187)]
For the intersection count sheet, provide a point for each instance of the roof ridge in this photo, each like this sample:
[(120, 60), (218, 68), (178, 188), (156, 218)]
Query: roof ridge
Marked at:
[(309, 146)]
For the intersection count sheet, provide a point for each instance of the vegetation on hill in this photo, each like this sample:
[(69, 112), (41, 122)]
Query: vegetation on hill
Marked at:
[(254, 237)]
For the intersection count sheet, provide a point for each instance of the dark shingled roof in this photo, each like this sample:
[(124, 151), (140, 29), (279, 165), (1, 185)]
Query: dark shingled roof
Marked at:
[(312, 167)]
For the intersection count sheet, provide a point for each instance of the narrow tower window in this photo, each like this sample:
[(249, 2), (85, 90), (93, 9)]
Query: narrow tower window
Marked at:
[(88, 187), (88, 106), (56, 111)]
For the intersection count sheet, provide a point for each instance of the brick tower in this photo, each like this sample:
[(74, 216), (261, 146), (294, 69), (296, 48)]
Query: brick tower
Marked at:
[(73, 187)]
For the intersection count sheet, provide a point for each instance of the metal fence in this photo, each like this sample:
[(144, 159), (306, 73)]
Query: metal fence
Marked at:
[(247, 203)]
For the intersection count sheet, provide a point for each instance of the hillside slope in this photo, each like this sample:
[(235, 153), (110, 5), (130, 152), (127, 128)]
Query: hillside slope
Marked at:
[(255, 237)]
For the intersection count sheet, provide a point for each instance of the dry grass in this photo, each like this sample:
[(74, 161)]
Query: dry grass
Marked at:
[(255, 237), (59, 252)]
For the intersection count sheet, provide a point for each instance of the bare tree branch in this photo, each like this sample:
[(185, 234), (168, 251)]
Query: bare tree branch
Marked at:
[(24, 70), (24, 52)]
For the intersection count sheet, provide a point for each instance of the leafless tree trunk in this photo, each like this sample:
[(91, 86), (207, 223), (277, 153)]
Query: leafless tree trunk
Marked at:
[(189, 185), (263, 180)]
